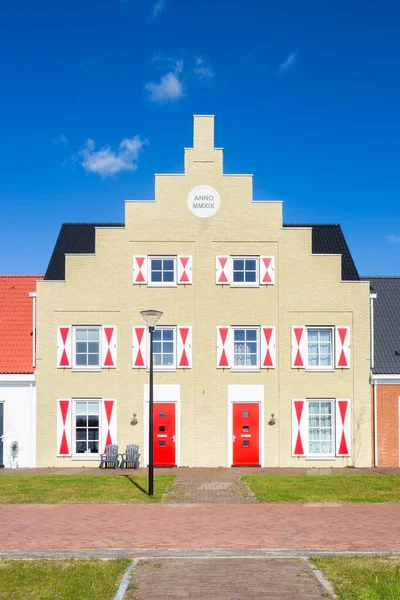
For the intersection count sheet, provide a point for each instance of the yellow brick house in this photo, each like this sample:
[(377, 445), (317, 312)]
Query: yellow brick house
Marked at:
[(261, 355)]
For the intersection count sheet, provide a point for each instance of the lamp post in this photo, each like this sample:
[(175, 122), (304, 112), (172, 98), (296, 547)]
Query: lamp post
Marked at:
[(151, 317)]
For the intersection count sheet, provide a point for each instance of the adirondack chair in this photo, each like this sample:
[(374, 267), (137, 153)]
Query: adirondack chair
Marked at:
[(131, 456), (110, 457)]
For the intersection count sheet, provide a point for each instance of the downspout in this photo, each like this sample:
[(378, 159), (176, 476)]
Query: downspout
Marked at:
[(374, 383), (375, 427)]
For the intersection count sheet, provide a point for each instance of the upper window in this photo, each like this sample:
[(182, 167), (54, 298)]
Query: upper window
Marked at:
[(162, 270), (87, 426), (245, 271), (320, 354), (320, 428), (87, 347), (246, 348), (164, 354)]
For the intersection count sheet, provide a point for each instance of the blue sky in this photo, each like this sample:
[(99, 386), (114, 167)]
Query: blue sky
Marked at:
[(97, 96)]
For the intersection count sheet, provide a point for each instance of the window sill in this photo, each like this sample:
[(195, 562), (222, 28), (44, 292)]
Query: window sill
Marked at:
[(237, 370), (163, 285), (163, 370), (86, 369), (320, 370), (86, 457), (245, 285), (321, 457)]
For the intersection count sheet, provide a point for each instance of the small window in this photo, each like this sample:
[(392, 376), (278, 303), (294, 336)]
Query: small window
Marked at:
[(245, 414), (162, 270), (86, 347), (245, 270), (246, 348), (161, 414), (164, 347), (87, 426), (320, 427), (161, 428), (161, 442), (246, 429), (320, 353), (245, 443)]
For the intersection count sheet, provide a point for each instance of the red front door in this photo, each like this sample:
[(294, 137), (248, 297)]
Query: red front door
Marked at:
[(164, 434), (246, 419)]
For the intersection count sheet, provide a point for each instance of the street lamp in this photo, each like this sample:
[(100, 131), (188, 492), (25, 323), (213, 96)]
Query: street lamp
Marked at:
[(151, 317)]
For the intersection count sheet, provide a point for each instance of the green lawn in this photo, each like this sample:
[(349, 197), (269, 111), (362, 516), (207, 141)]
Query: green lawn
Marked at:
[(325, 488), (61, 579), (62, 489), (362, 578)]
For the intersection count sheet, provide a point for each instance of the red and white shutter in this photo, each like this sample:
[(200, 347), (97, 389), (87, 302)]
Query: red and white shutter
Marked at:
[(268, 347), (224, 347), (223, 266), (140, 269), (343, 427), (64, 427), (299, 427), (267, 270), (299, 347), (109, 346), (108, 424), (184, 269), (184, 347), (64, 346), (342, 347), (139, 347)]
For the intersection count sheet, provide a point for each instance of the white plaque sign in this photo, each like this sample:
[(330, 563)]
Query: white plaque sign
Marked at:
[(203, 201)]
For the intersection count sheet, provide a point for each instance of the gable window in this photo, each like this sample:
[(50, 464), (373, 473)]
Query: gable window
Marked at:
[(164, 347), (87, 347), (162, 270), (319, 346), (245, 270), (87, 426), (246, 348), (320, 428)]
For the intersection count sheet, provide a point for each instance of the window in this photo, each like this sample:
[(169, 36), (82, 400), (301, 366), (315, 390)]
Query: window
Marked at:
[(245, 271), (164, 348), (320, 427), (320, 353), (87, 426), (162, 270), (245, 348), (87, 347)]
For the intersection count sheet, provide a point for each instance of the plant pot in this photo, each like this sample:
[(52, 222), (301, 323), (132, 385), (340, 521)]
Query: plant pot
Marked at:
[(13, 465)]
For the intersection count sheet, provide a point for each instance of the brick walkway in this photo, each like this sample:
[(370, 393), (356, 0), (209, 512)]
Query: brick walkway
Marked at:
[(163, 526), (203, 486)]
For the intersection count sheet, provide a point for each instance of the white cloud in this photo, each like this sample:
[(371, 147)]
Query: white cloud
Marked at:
[(60, 139), (290, 61), (202, 70), (170, 87), (63, 139), (105, 162), (393, 239), (157, 8)]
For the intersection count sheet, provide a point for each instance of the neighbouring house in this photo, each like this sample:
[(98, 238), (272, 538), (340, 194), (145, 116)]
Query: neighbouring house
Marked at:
[(385, 369), (262, 353), (17, 369)]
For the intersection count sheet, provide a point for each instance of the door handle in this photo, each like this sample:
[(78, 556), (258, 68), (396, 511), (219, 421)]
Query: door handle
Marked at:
[(234, 438), (173, 438), (1, 438)]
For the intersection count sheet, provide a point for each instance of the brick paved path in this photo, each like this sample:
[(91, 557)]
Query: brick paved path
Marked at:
[(233, 579), (216, 486), (293, 526)]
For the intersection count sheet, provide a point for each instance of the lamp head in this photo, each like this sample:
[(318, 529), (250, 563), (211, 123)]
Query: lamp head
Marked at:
[(151, 316)]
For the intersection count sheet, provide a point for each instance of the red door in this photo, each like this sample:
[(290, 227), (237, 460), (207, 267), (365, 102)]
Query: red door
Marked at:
[(246, 439), (164, 434)]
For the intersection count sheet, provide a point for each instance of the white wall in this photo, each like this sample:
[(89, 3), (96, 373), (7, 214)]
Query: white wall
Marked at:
[(19, 398)]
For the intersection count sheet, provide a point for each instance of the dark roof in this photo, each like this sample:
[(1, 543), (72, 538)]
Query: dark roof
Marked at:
[(79, 238), (329, 239), (74, 238), (386, 324)]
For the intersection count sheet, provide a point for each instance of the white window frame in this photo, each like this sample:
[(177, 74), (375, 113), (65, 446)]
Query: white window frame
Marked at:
[(256, 367), (255, 283), (330, 367), (85, 455), (165, 367), (85, 367), (151, 283), (329, 455)]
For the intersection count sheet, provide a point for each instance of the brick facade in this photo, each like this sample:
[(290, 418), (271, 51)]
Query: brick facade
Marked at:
[(388, 425)]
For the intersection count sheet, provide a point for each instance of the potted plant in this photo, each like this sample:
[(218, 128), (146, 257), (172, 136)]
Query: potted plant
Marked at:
[(14, 454)]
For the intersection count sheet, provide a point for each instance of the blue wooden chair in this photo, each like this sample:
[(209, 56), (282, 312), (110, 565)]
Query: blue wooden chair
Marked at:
[(110, 457), (131, 456)]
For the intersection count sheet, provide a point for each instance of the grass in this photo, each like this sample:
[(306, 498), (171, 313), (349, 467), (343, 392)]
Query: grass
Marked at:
[(61, 579), (63, 489), (362, 578), (325, 488)]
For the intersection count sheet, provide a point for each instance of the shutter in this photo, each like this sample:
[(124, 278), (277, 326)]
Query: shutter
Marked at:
[(139, 339), (64, 427), (185, 269), (343, 427), (299, 427), (342, 347), (224, 347), (184, 347), (109, 346), (140, 269), (267, 270), (268, 347), (108, 423), (64, 346), (223, 270), (299, 347)]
